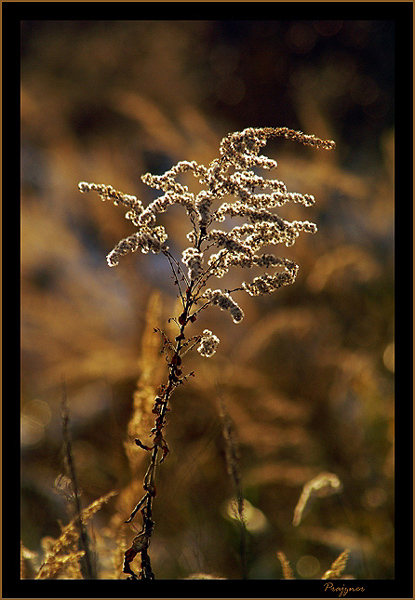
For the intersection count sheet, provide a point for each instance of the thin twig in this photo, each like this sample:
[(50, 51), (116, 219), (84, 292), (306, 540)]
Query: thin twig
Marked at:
[(88, 565), (172, 260), (233, 466)]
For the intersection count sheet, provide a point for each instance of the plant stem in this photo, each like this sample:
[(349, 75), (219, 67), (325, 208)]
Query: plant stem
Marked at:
[(87, 563), (141, 542)]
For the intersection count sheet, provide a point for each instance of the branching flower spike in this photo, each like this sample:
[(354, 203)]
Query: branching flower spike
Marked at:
[(211, 253)]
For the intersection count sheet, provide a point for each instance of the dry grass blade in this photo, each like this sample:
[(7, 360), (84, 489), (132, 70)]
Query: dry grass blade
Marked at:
[(150, 374), (54, 560), (66, 565), (88, 566), (233, 456), (27, 570), (324, 484), (337, 567), (286, 567)]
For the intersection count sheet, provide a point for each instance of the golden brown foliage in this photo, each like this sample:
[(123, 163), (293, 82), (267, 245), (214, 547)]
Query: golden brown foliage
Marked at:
[(62, 559), (286, 567), (335, 571), (337, 567)]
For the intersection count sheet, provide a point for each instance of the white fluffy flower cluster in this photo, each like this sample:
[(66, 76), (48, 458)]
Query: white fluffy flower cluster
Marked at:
[(225, 302), (208, 344), (243, 146), (230, 175), (149, 236), (146, 239), (193, 259), (223, 260)]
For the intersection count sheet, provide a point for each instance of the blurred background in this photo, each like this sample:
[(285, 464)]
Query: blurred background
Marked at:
[(306, 378)]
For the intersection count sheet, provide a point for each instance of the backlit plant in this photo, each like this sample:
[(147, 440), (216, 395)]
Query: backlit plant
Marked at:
[(210, 254)]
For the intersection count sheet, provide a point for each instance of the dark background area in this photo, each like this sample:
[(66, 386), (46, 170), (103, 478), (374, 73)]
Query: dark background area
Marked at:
[(307, 377)]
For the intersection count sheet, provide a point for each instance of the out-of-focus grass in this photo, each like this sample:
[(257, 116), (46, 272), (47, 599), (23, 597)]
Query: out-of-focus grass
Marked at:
[(307, 377)]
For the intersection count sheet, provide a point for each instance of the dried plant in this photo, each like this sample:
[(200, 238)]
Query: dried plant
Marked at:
[(62, 553), (232, 454), (286, 567), (337, 566), (255, 198), (323, 485), (68, 485), (335, 571)]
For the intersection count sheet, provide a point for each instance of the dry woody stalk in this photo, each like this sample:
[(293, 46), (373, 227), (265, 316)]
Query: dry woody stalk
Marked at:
[(211, 252)]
